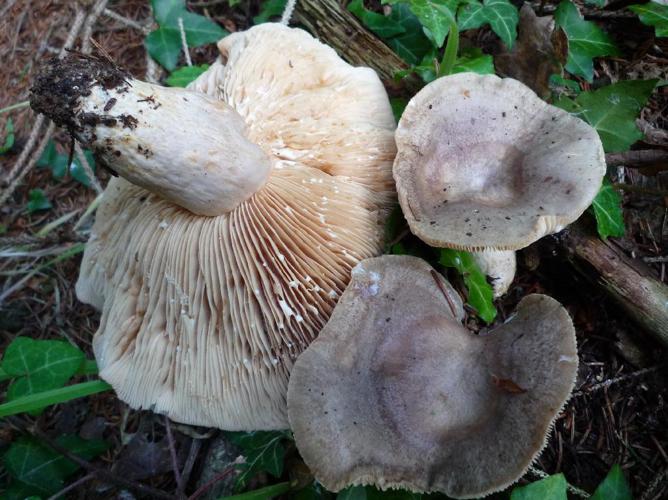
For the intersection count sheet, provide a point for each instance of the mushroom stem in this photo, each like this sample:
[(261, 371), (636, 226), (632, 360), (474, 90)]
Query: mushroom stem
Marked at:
[(499, 265), (181, 145)]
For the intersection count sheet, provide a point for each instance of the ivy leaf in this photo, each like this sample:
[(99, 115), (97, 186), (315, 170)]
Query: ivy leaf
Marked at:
[(269, 9), (183, 76), (77, 171), (608, 211), (653, 14), (474, 61), (501, 15), (263, 451), (480, 295), (40, 469), (199, 29), (550, 488), (383, 26), (585, 40), (613, 487), (166, 12), (412, 45), (612, 111), (9, 137), (436, 16), (398, 105), (164, 45), (39, 365), (37, 200)]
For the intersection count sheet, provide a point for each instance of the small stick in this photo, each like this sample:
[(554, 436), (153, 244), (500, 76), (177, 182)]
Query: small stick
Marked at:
[(616, 380), (124, 20), (195, 447), (207, 486), (73, 486), (95, 12), (99, 472), (636, 159), (87, 168), (172, 452), (287, 12), (184, 42), (576, 491)]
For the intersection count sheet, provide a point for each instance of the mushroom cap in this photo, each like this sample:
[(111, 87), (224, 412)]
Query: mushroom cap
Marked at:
[(483, 162), (394, 369), (202, 317)]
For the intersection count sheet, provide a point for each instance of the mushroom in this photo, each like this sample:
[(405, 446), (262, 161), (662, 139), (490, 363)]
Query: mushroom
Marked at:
[(484, 164), (499, 266), (395, 369), (241, 207)]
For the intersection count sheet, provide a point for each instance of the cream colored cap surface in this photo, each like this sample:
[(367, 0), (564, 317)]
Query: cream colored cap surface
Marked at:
[(395, 392), (203, 317), (483, 163)]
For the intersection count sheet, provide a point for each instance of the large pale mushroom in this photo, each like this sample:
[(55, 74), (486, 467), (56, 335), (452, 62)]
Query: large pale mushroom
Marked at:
[(484, 164), (241, 207), (395, 391)]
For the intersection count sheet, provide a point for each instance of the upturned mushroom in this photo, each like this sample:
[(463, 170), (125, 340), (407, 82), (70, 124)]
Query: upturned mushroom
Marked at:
[(484, 164), (397, 393), (241, 207)]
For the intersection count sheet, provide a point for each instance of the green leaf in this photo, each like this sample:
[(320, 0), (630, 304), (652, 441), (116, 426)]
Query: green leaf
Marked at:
[(164, 45), (269, 9), (612, 111), (9, 137), (613, 487), (474, 61), (44, 470), (77, 171), (412, 45), (55, 396), (383, 26), (265, 493), (37, 200), (480, 295), (52, 159), (263, 452), (585, 40), (48, 155), (561, 85), (199, 29), (608, 211), (653, 14), (39, 365), (166, 12), (183, 76), (550, 488), (436, 16), (398, 105), (501, 15), (352, 493)]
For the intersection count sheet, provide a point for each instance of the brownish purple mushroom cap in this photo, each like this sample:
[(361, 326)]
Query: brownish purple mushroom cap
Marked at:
[(484, 163), (395, 392)]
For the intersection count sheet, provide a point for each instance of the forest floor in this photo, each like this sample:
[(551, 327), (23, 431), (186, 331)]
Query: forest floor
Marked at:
[(617, 415)]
